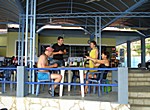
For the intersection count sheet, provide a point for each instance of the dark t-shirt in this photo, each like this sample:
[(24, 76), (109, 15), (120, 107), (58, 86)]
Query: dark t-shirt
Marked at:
[(57, 48)]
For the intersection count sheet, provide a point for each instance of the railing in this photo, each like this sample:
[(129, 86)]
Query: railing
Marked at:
[(6, 71), (118, 74)]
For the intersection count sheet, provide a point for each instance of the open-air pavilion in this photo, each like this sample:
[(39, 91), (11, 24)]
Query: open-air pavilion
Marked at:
[(40, 22)]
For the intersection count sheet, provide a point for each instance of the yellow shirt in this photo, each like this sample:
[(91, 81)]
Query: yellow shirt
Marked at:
[(93, 54)]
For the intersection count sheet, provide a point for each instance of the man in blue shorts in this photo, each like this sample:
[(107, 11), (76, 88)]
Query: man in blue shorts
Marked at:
[(43, 63)]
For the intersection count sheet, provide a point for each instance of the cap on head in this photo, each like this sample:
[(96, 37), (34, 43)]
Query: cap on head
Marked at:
[(50, 49)]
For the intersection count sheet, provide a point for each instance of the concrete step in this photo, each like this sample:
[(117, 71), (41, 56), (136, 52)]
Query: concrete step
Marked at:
[(139, 91), (138, 75), (139, 94), (139, 83), (139, 101), (135, 75), (140, 107), (139, 79)]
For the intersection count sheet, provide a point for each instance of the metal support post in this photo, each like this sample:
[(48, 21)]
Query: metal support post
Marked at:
[(100, 37), (19, 39), (26, 38), (142, 52), (31, 41), (128, 54), (22, 77), (34, 38), (22, 40), (96, 29)]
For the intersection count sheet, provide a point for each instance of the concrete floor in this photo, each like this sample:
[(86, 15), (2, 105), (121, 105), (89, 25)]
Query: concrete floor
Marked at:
[(110, 97)]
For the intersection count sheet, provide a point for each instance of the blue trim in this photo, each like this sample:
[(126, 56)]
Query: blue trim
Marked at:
[(63, 68), (9, 82), (7, 68), (70, 83), (73, 68)]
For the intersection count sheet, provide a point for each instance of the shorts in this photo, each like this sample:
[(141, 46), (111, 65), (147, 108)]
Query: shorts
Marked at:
[(59, 62), (43, 76)]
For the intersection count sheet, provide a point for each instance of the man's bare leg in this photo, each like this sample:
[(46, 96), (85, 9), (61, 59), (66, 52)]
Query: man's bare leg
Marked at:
[(57, 78)]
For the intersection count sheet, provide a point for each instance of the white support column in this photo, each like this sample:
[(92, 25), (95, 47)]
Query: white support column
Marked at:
[(22, 40), (31, 41), (34, 31), (33, 47), (19, 39)]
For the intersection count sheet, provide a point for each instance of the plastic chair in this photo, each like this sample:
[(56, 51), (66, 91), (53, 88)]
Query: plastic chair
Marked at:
[(7, 76), (46, 80), (74, 78), (99, 79), (2, 78)]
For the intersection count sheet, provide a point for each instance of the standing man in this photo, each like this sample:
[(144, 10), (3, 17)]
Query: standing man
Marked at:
[(59, 51)]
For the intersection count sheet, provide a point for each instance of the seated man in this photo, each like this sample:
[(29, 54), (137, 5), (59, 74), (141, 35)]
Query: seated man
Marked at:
[(43, 63)]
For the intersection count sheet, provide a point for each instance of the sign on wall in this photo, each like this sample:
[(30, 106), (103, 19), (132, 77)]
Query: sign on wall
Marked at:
[(121, 55)]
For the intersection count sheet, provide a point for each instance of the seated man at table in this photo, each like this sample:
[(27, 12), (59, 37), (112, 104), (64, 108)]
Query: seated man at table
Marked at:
[(43, 63)]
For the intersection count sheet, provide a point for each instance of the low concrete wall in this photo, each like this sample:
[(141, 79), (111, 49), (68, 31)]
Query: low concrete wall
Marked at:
[(28, 103)]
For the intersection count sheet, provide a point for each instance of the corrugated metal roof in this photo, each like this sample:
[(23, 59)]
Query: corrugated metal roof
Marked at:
[(10, 10)]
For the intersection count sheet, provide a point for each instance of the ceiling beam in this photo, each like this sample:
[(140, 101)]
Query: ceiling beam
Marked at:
[(136, 5), (89, 1), (21, 9)]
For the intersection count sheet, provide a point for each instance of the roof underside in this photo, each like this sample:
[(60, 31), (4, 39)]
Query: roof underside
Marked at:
[(10, 10)]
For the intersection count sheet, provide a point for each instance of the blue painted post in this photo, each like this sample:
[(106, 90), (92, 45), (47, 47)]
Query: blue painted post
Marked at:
[(96, 29)]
